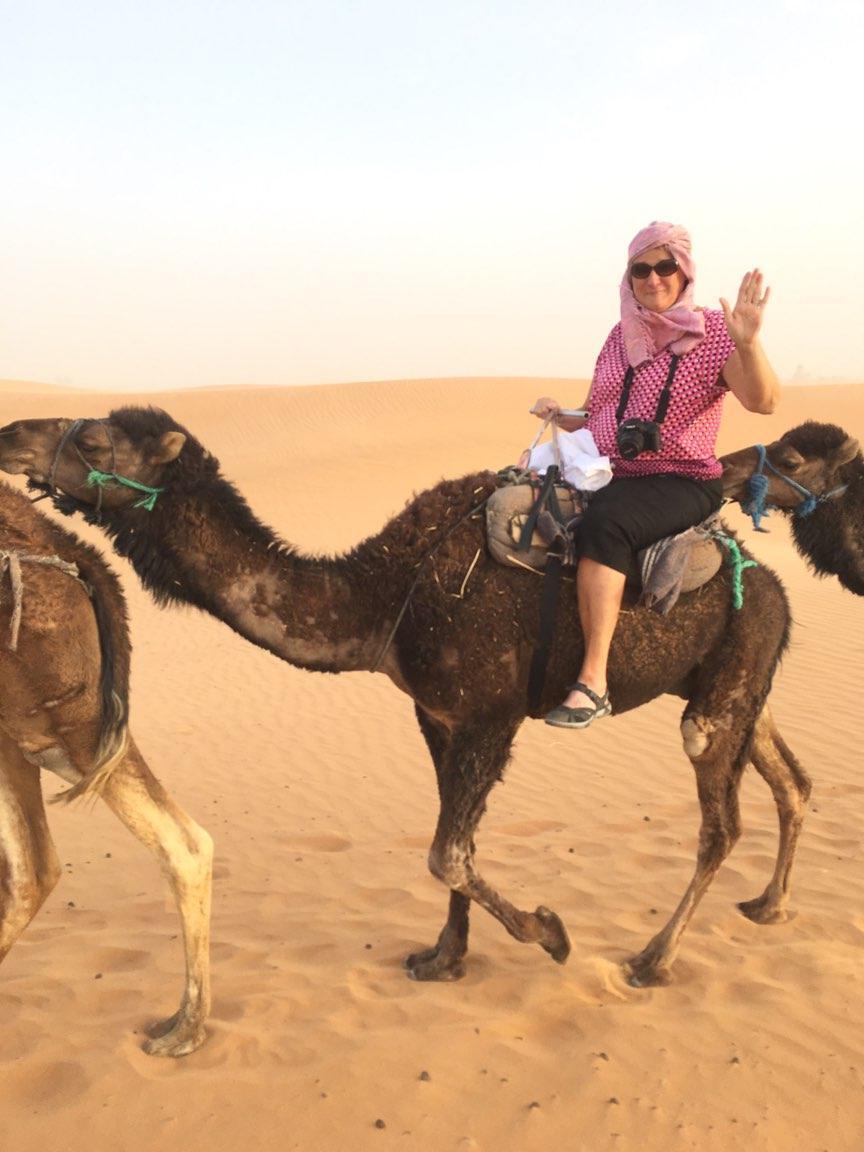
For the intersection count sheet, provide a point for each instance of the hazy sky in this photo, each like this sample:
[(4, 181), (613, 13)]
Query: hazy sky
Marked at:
[(283, 192)]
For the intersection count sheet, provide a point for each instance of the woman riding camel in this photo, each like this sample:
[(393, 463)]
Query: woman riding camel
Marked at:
[(654, 409)]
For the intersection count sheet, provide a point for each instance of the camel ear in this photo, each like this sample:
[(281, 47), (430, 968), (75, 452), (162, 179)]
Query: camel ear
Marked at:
[(170, 446), (847, 451)]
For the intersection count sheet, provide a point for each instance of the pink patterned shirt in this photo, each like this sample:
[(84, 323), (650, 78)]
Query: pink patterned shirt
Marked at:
[(689, 432)]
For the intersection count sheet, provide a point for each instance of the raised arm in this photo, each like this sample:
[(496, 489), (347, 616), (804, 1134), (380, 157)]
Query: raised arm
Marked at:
[(748, 371)]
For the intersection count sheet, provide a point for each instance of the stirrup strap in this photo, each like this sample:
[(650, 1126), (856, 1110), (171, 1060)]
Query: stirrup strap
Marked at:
[(545, 497), (548, 609)]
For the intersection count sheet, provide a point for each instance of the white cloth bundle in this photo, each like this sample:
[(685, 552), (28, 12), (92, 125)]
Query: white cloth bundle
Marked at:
[(581, 462)]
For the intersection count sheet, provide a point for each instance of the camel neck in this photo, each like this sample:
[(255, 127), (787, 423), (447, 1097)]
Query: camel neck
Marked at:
[(204, 546)]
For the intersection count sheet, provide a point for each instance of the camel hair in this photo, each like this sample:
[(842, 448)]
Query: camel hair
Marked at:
[(64, 669), (424, 603)]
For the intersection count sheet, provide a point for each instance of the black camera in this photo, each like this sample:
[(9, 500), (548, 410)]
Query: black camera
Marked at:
[(637, 436)]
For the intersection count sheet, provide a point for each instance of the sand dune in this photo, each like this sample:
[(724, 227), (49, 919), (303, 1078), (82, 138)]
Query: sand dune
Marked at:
[(322, 801)]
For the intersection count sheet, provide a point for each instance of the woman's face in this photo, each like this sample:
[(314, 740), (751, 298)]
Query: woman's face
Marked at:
[(657, 292)]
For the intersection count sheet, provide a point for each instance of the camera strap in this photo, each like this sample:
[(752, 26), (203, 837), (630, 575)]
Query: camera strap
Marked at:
[(663, 401)]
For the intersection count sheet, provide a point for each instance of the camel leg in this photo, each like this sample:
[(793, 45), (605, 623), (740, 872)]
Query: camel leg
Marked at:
[(790, 784), (717, 757), (185, 853), (468, 763), (443, 961), (29, 866)]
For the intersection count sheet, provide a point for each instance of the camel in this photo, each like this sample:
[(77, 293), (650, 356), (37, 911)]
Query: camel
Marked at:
[(64, 669), (822, 461), (423, 603)]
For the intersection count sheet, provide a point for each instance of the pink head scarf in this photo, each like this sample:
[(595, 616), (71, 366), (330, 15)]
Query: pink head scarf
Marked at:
[(679, 328)]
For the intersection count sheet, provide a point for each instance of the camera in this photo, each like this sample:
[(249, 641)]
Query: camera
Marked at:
[(637, 436)]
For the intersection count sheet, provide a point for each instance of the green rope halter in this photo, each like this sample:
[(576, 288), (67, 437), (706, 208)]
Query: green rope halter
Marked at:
[(98, 479), (738, 564)]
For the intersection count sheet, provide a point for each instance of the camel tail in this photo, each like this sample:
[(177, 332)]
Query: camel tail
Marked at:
[(109, 607), (113, 746)]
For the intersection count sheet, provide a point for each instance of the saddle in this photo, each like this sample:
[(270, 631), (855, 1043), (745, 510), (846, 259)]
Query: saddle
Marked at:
[(527, 522)]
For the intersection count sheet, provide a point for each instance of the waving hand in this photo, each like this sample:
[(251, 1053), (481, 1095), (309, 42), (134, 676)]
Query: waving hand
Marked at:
[(745, 319)]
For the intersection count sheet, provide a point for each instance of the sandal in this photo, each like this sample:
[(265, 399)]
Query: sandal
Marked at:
[(564, 717)]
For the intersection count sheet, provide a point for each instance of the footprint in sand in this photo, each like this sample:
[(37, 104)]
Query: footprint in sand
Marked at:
[(529, 828), (55, 1082), (120, 959), (325, 842), (414, 841)]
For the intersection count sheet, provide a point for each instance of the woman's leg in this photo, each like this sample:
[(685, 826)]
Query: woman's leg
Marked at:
[(600, 590), (620, 521)]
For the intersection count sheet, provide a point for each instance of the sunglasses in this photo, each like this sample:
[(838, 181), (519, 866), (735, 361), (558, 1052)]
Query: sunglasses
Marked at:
[(664, 268)]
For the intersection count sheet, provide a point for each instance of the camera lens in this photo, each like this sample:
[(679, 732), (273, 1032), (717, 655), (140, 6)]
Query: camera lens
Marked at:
[(631, 441)]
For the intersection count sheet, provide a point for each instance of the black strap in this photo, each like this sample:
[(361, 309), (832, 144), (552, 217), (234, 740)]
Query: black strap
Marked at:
[(548, 609), (545, 496), (662, 402)]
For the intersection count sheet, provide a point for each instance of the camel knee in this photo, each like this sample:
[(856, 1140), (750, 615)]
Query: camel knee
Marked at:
[(26, 893), (201, 850), (716, 843), (696, 733), (449, 864), (192, 867)]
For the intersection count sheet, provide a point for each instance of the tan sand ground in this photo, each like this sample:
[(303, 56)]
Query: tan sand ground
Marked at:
[(321, 798)]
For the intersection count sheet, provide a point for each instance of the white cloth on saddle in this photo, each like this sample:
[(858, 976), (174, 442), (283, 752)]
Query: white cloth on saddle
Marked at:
[(581, 462)]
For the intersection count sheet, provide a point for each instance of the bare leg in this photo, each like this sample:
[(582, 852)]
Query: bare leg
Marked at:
[(29, 867), (600, 590), (468, 764), (777, 765), (185, 853)]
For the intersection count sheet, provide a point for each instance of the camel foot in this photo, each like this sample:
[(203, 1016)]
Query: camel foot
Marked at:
[(556, 941), (434, 964), (762, 911), (177, 1036), (643, 971)]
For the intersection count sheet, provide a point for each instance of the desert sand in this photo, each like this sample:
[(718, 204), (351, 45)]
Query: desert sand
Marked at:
[(321, 798)]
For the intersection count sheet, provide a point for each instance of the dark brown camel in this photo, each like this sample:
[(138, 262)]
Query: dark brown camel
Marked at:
[(461, 649), (64, 669), (826, 462)]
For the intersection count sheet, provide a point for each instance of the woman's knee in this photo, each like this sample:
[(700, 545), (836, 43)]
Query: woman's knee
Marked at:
[(600, 531)]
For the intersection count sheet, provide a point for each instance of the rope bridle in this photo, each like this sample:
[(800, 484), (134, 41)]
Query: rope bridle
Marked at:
[(757, 486), (95, 478)]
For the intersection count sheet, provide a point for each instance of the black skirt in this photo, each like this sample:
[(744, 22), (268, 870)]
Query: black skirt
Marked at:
[(634, 511)]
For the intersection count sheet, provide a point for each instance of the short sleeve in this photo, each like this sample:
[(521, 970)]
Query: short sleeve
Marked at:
[(718, 347)]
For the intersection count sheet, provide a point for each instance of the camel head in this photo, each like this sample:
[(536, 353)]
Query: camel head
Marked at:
[(812, 456), (111, 463), (815, 472)]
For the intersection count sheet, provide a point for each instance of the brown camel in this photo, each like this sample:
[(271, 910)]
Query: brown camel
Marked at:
[(423, 602), (823, 461), (64, 667)]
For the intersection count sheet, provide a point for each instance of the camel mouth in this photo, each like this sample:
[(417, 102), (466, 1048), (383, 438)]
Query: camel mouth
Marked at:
[(17, 461)]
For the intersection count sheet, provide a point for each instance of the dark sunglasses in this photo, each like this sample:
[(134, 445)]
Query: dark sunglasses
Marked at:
[(664, 268)]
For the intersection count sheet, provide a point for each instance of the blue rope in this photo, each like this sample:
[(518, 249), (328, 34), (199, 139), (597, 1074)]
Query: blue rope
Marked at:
[(757, 507)]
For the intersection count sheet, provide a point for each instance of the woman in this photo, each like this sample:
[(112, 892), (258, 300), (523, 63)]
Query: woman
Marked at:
[(666, 474)]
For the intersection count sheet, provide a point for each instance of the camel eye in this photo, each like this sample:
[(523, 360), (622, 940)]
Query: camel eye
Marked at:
[(89, 445), (789, 463)]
